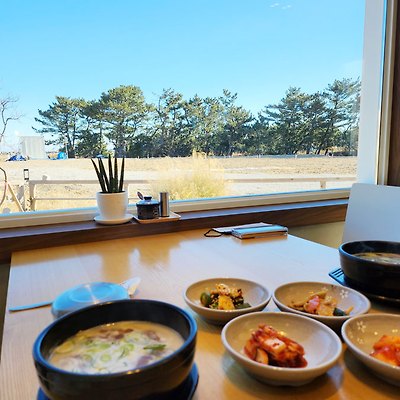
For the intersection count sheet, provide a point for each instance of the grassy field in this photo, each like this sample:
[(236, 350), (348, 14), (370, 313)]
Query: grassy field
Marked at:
[(183, 177)]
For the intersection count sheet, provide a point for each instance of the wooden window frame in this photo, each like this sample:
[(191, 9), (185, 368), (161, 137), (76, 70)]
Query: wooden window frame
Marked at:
[(291, 215), (393, 178)]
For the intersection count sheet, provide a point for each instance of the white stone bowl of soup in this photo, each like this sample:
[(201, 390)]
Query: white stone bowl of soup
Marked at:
[(280, 348), (372, 266), (374, 339), (326, 302), (124, 349), (218, 300)]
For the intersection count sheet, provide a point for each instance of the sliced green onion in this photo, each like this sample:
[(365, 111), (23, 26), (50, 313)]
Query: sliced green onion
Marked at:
[(155, 347)]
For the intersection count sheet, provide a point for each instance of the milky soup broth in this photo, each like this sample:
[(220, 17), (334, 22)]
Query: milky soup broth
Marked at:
[(385, 258), (115, 347)]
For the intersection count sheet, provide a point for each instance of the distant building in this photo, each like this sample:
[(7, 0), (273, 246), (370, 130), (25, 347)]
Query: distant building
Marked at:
[(32, 147)]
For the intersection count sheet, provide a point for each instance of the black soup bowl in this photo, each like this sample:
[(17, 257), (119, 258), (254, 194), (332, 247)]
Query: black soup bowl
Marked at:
[(154, 381), (374, 275)]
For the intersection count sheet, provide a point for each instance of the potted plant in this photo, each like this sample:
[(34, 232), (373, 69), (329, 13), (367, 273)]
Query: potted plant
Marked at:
[(112, 201)]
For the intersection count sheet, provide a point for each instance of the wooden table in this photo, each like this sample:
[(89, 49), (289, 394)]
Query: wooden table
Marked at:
[(167, 264)]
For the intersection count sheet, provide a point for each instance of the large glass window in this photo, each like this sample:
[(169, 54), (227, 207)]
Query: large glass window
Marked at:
[(205, 99)]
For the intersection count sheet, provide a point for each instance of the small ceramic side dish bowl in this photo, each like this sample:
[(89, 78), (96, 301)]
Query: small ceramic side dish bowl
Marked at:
[(322, 347), (255, 294), (362, 332), (284, 296)]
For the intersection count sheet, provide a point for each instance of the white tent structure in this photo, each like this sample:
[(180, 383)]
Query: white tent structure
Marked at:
[(32, 147)]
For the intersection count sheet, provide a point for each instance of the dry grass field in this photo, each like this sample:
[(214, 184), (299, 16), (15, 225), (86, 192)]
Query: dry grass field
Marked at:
[(183, 177)]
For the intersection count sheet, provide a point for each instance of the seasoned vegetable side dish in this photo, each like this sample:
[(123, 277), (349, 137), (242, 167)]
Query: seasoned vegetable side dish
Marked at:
[(320, 303), (116, 347), (387, 349), (223, 298), (268, 346)]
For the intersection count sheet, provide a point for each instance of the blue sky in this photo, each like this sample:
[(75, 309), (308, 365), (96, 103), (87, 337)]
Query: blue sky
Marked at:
[(255, 48)]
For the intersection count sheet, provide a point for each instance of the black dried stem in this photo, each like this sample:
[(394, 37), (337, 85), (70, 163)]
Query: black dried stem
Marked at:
[(121, 179), (110, 183)]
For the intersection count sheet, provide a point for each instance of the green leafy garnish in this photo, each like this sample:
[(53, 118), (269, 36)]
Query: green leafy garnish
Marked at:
[(126, 349), (337, 312), (205, 299), (155, 347), (105, 357), (243, 305)]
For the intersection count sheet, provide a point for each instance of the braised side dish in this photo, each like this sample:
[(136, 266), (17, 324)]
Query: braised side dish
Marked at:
[(223, 298), (320, 303), (387, 349), (268, 346), (116, 347)]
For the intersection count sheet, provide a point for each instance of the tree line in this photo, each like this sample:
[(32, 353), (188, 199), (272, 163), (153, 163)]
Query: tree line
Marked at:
[(175, 127)]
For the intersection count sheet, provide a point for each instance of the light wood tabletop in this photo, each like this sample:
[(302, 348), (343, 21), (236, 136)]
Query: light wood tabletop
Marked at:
[(167, 264)]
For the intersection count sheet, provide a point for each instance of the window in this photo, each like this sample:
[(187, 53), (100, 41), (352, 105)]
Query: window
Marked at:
[(230, 102)]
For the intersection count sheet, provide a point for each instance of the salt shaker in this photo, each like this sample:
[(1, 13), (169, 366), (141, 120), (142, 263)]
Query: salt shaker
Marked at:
[(164, 204)]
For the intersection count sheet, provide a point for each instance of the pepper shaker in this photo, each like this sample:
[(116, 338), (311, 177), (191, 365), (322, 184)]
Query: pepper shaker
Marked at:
[(164, 204)]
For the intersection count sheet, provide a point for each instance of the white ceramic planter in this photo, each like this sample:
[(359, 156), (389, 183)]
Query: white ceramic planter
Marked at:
[(112, 206)]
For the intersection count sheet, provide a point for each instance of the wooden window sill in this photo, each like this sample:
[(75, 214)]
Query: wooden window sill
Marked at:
[(290, 215)]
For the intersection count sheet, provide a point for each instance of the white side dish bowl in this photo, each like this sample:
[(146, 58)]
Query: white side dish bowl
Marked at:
[(362, 332), (284, 295), (321, 345), (254, 293)]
